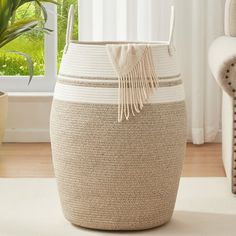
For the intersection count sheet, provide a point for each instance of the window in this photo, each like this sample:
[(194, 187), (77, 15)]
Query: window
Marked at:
[(45, 50)]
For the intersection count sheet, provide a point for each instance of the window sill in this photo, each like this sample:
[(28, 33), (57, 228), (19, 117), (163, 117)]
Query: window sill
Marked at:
[(30, 96), (38, 84)]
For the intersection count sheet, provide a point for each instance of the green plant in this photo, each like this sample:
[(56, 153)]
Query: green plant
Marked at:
[(11, 28)]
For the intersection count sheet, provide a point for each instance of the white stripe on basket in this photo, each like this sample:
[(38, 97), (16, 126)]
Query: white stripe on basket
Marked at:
[(93, 61), (94, 95)]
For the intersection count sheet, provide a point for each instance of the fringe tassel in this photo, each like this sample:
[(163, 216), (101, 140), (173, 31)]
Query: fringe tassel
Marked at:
[(136, 87)]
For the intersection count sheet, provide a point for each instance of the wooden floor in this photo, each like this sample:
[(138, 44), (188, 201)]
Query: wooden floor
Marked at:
[(34, 160)]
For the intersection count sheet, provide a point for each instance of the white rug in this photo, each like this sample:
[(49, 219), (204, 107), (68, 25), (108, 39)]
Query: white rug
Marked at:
[(30, 207)]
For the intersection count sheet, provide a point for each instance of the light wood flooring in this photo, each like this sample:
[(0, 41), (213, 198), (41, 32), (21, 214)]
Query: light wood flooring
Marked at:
[(34, 160)]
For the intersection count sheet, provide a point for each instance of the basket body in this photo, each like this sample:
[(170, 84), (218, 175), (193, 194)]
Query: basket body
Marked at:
[(110, 175)]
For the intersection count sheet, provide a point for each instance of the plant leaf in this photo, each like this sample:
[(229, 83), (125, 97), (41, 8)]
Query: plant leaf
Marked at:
[(17, 29), (6, 8), (44, 11), (30, 63), (51, 1), (48, 1)]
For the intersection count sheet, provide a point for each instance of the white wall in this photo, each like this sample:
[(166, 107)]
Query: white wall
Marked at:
[(28, 117)]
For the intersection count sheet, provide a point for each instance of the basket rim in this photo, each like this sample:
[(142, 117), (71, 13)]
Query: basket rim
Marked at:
[(104, 43)]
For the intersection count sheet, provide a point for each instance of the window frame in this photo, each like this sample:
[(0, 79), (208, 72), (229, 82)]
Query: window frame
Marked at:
[(46, 82)]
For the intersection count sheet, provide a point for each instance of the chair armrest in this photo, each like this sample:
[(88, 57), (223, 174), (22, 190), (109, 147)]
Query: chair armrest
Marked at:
[(222, 62)]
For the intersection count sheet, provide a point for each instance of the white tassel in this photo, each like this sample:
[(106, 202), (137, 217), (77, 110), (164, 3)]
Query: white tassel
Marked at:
[(136, 87)]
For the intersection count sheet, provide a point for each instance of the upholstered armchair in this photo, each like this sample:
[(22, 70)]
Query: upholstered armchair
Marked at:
[(222, 61)]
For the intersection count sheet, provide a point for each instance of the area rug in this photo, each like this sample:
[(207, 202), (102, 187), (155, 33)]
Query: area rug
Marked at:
[(30, 207)]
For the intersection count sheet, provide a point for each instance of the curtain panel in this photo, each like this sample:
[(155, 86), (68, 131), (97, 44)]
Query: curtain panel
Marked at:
[(198, 23)]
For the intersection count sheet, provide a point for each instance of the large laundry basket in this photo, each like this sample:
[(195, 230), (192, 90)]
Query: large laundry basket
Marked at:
[(117, 174)]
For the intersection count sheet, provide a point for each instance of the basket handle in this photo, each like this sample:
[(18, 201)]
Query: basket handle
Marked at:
[(70, 21), (69, 29), (172, 30)]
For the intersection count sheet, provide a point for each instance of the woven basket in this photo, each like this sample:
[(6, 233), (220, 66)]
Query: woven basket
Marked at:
[(116, 175)]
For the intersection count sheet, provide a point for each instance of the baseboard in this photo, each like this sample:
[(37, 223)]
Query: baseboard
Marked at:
[(218, 138), (28, 117), (27, 135)]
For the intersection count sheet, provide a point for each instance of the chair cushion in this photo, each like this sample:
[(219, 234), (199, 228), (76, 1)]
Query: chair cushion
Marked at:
[(222, 62), (230, 18)]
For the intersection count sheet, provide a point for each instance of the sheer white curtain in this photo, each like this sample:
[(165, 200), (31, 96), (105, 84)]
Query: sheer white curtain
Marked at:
[(198, 23), (124, 19)]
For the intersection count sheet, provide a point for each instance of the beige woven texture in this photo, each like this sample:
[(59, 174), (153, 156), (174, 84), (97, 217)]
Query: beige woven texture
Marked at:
[(96, 84), (118, 176)]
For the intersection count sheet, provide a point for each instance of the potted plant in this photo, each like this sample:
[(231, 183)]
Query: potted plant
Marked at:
[(10, 29)]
